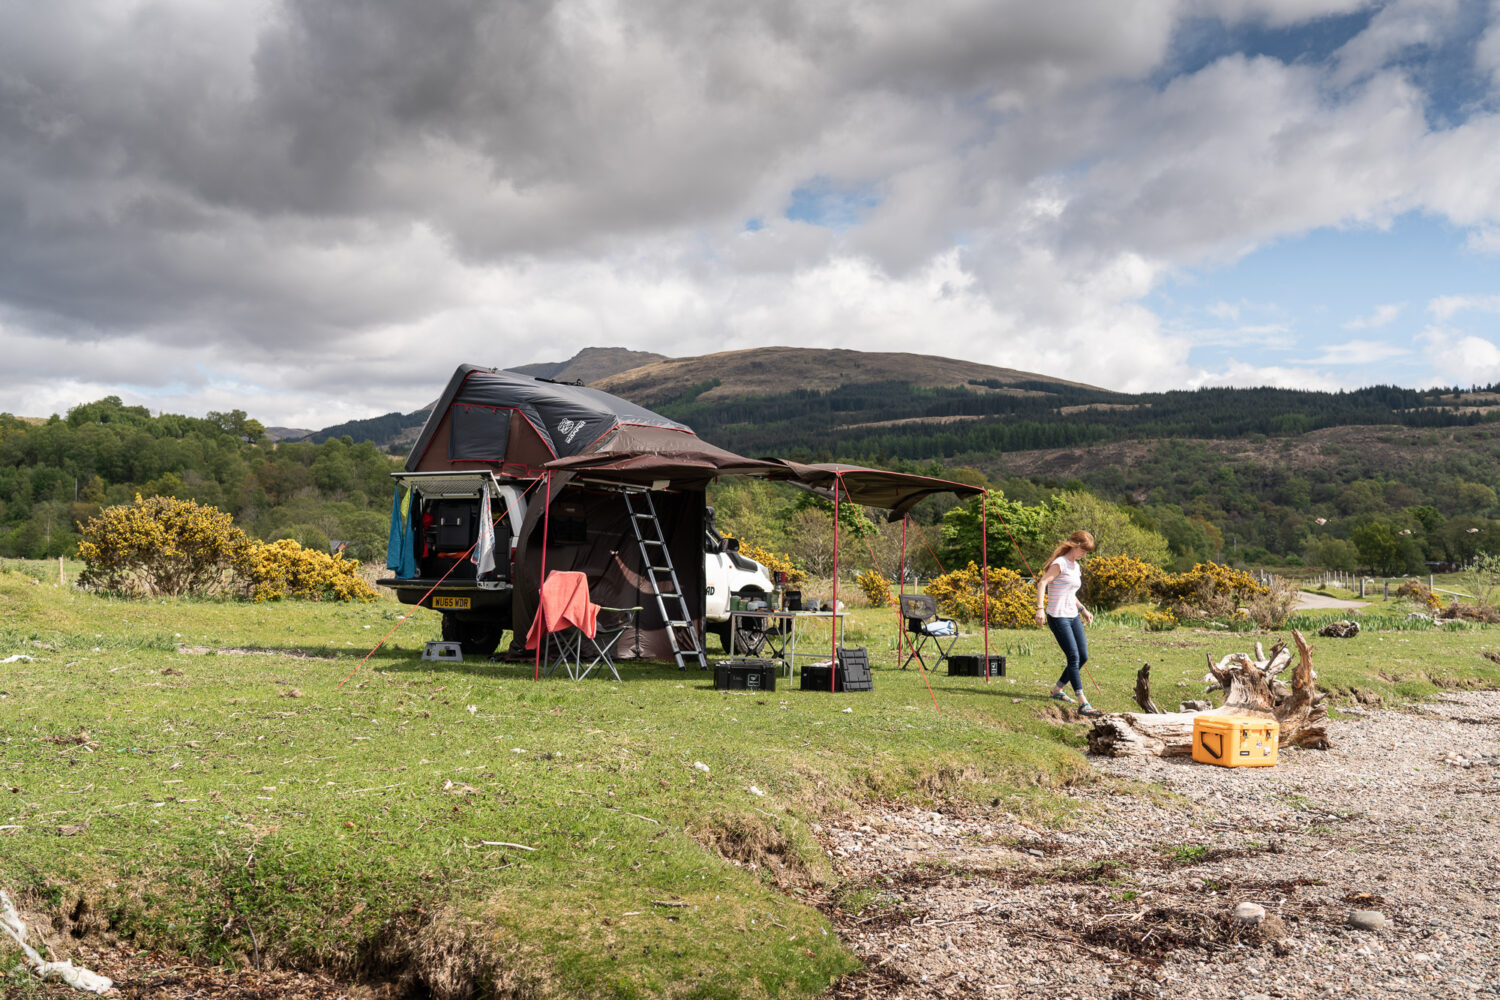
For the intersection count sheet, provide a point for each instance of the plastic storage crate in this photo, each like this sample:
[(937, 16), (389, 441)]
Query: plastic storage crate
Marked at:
[(853, 673), (972, 665), (745, 675)]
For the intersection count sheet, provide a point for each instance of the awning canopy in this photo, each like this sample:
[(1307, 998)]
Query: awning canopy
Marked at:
[(897, 492)]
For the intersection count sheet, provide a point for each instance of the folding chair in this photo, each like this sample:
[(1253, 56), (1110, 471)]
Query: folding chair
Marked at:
[(565, 617), (924, 625), (612, 623)]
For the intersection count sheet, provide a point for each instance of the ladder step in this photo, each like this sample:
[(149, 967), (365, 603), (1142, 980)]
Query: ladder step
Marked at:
[(679, 624)]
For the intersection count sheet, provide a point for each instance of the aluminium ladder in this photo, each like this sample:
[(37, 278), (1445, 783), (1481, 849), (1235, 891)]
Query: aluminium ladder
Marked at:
[(661, 576)]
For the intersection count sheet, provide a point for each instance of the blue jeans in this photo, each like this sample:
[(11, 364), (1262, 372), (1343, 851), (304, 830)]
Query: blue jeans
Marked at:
[(1069, 635)]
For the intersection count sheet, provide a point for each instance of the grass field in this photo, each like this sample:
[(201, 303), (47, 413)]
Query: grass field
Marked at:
[(188, 776)]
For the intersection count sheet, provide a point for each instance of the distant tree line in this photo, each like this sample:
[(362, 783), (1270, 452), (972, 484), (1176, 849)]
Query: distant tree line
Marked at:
[(55, 475)]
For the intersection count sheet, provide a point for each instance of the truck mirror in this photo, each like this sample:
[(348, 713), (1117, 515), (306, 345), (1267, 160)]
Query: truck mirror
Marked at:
[(732, 544)]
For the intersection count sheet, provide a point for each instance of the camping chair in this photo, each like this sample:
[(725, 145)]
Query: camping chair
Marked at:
[(612, 623), (924, 625), (565, 617)]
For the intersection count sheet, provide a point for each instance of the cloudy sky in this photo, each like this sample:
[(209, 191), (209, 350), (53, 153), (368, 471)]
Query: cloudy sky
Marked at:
[(313, 210)]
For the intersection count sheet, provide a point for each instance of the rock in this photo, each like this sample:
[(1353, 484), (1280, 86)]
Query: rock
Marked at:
[(1195, 706), (1250, 913), (1367, 920)]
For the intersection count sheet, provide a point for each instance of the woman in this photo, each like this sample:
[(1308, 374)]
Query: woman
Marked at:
[(1057, 605)]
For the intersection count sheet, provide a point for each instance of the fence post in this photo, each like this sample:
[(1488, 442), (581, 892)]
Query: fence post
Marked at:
[(1362, 587), (1387, 596)]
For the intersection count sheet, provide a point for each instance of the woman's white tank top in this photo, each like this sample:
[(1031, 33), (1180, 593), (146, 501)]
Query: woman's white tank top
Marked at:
[(1062, 592)]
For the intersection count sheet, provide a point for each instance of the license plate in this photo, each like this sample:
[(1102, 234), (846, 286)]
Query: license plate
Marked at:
[(451, 602)]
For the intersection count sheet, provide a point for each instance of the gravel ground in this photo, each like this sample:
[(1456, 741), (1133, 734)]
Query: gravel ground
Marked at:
[(1396, 825)]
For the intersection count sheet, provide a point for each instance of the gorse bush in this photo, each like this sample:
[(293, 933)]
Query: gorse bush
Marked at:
[(773, 561), (877, 588), (283, 569), (1419, 593), (161, 545), (1110, 581), (960, 596), (1208, 592), (164, 546)]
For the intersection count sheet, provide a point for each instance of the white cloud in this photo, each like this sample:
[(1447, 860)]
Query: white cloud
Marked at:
[(320, 207), (1357, 352), (1459, 358), (1384, 315), (1241, 374), (1445, 307)]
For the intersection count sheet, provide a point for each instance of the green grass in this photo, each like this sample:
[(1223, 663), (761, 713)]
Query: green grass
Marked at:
[(215, 804)]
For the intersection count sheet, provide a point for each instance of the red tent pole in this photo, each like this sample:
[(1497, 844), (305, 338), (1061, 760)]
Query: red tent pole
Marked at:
[(834, 629), (984, 554), (900, 593), (546, 518)]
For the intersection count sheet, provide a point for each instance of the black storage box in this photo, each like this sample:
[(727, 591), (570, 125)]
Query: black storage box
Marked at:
[(972, 665), (745, 675), (853, 673)]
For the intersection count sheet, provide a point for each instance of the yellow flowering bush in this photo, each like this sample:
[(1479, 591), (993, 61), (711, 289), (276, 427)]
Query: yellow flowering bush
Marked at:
[(959, 595), (1110, 581), (773, 561), (1159, 621), (164, 546), (876, 587), (283, 569), (161, 545), (1419, 593), (1208, 591)]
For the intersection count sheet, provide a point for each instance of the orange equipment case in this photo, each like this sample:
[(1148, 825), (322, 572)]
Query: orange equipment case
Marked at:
[(1234, 740)]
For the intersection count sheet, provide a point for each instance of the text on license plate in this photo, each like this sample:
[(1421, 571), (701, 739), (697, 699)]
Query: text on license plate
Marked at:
[(450, 602)]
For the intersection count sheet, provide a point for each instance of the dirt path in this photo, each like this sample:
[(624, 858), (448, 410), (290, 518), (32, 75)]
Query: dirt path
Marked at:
[(1322, 602), (1137, 900)]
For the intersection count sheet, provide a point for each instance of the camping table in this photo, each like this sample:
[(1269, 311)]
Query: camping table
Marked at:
[(782, 645)]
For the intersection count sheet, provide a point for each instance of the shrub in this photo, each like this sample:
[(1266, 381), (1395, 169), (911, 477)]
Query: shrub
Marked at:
[(161, 545), (284, 568), (1471, 612), (773, 561), (1110, 581), (1159, 621), (1208, 591), (959, 595), (1419, 593), (1272, 608), (876, 587)]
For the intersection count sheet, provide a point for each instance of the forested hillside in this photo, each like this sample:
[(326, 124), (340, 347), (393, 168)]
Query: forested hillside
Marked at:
[(56, 474)]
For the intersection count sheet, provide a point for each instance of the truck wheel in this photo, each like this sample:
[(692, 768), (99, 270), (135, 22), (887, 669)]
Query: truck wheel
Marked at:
[(474, 638)]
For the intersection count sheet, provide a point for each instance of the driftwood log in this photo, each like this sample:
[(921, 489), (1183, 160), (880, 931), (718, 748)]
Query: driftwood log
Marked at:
[(1252, 687)]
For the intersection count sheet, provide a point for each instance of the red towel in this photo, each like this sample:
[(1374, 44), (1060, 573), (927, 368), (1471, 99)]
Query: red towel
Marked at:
[(564, 602)]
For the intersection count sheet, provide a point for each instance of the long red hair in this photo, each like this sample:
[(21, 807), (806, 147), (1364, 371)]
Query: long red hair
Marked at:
[(1079, 539)]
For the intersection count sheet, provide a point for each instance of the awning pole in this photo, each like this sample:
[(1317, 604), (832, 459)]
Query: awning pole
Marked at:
[(542, 581), (834, 638), (984, 554), (900, 593)]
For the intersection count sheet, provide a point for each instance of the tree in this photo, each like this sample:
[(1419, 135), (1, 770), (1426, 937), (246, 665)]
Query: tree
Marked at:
[(1379, 547), (1006, 519), (1110, 524)]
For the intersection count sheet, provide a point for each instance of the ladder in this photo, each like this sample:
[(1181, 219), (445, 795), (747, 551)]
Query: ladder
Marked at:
[(661, 579)]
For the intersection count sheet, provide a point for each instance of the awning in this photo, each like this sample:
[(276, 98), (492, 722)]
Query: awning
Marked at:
[(897, 492)]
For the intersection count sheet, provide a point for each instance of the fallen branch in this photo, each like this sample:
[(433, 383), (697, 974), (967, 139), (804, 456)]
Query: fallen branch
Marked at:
[(1252, 688)]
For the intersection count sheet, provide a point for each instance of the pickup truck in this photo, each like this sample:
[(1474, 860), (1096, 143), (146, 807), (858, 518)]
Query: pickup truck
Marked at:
[(477, 612)]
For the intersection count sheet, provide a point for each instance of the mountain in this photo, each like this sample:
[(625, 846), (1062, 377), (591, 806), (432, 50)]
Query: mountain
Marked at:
[(591, 364), (772, 371)]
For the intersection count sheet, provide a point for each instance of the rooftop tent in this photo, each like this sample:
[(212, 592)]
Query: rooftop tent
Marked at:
[(488, 417)]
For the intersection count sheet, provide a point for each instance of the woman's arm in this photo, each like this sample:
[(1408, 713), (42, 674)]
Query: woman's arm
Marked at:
[(1047, 577)]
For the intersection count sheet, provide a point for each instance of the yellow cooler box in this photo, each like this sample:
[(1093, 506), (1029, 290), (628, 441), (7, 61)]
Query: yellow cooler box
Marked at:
[(1234, 740)]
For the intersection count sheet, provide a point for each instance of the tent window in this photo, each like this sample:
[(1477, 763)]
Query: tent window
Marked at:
[(479, 433)]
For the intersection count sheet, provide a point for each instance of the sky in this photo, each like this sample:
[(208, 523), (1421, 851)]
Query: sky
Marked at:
[(314, 210)]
